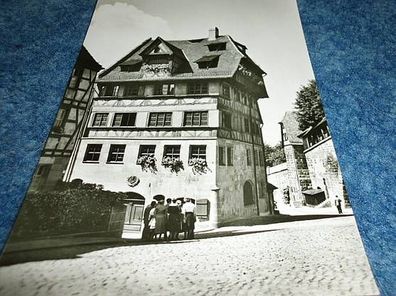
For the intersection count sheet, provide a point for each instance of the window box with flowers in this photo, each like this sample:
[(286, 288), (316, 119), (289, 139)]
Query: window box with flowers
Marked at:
[(174, 164), (146, 158), (171, 158), (197, 159)]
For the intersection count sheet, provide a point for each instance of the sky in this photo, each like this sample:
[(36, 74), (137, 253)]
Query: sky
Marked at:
[(271, 30)]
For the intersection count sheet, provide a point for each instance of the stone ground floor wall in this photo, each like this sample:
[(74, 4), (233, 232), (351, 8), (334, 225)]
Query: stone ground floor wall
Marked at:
[(231, 180), (324, 169)]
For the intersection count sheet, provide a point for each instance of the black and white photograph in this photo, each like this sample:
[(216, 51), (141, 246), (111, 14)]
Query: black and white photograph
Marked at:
[(190, 155)]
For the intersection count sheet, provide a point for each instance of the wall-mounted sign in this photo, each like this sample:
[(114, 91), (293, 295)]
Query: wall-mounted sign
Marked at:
[(133, 181)]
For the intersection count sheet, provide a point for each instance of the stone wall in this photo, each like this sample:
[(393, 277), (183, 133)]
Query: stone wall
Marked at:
[(279, 177), (231, 179), (323, 168)]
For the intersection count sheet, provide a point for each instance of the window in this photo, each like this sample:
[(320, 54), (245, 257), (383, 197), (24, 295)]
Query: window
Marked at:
[(196, 118), (164, 89), (226, 91), (197, 88), (93, 152), (109, 90), (160, 119), (248, 157), (100, 119), (131, 68), (230, 156), (248, 196), (146, 150), (76, 76), (217, 46), (202, 209), (226, 120), (131, 90), (221, 156), (172, 151), (60, 118), (261, 158), (116, 153), (198, 151), (124, 119), (247, 125), (256, 157), (238, 96), (207, 62)]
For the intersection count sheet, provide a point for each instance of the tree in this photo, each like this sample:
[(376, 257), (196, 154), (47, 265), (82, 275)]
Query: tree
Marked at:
[(309, 106), (274, 155)]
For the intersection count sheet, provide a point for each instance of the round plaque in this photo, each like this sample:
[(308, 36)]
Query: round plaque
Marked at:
[(133, 181)]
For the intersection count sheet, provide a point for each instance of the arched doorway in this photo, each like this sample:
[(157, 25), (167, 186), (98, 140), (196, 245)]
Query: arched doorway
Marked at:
[(133, 225), (248, 195)]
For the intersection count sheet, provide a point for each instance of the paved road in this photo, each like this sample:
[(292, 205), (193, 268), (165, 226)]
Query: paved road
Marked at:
[(319, 257)]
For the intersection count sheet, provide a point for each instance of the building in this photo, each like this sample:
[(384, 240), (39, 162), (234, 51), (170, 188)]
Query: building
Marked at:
[(324, 170), (66, 131), (181, 119), (311, 175), (297, 169)]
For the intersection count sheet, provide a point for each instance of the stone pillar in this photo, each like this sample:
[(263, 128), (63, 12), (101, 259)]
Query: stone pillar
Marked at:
[(214, 207)]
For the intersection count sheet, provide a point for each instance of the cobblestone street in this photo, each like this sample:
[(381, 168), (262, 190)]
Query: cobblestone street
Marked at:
[(321, 257)]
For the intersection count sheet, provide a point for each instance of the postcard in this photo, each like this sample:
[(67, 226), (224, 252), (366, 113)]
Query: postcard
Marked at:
[(190, 155)]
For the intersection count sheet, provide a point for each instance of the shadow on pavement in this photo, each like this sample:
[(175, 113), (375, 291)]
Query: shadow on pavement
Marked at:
[(74, 249), (75, 252)]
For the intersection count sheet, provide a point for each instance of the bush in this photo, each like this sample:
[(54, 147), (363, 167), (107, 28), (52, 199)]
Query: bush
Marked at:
[(76, 208)]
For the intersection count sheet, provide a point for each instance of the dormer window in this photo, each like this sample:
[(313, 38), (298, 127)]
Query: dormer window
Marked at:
[(217, 46), (208, 62), (131, 66)]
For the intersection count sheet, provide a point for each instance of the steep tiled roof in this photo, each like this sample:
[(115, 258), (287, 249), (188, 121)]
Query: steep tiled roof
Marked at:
[(290, 125), (192, 50), (87, 61)]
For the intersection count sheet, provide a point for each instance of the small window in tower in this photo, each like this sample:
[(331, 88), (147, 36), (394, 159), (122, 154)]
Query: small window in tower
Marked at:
[(221, 156), (230, 156), (226, 90), (226, 120), (248, 157)]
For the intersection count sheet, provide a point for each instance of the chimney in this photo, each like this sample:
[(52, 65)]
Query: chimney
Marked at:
[(213, 33)]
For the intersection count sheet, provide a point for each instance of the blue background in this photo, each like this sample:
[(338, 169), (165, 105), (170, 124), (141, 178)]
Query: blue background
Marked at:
[(352, 48)]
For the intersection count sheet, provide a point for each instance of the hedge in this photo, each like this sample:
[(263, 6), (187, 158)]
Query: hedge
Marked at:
[(75, 208)]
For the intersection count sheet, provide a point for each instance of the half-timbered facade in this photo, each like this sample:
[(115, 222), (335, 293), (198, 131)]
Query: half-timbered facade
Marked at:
[(180, 118), (70, 119)]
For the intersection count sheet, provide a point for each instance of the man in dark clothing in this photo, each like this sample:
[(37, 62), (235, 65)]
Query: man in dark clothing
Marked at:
[(338, 204), (146, 219)]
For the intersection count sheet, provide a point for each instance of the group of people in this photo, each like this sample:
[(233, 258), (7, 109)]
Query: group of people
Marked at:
[(174, 216)]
